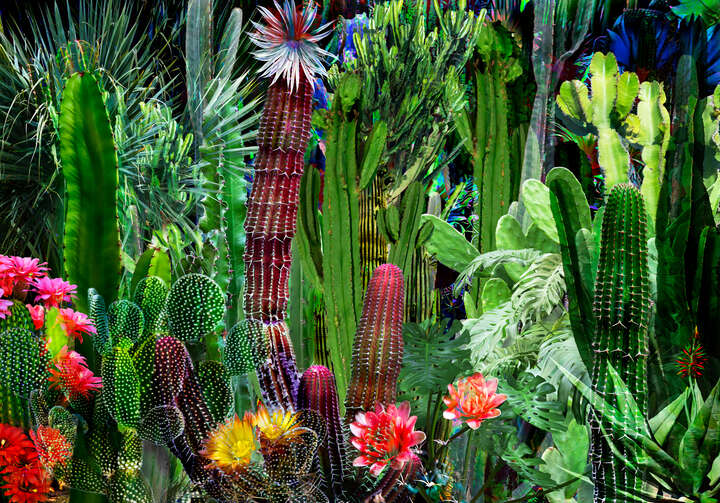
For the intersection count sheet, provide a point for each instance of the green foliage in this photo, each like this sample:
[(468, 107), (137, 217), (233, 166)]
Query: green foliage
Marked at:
[(572, 217), (530, 397), (435, 355), (90, 167)]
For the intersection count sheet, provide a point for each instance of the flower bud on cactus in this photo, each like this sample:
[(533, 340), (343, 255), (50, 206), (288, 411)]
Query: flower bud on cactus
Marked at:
[(378, 346), (318, 393)]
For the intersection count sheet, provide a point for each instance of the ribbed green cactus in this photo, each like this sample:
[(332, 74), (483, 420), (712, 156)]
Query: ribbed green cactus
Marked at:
[(378, 346), (23, 361), (90, 167), (621, 306), (485, 132), (242, 344)]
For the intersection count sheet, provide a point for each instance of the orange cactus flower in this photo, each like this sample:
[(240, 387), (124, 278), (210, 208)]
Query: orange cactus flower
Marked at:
[(473, 401)]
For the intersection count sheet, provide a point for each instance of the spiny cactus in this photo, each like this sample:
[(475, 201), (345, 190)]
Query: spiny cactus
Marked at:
[(621, 306), (195, 307), (121, 394), (125, 319), (318, 393), (98, 313), (23, 361), (151, 294), (242, 344), (18, 317), (378, 346)]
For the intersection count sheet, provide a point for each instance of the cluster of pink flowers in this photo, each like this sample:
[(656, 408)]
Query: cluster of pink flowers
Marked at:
[(20, 275)]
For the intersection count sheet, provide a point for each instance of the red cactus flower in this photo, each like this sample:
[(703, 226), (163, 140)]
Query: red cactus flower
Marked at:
[(53, 291), (75, 324), (385, 437), (37, 313), (13, 442), (51, 445), (5, 306), (72, 375), (27, 483), (473, 401)]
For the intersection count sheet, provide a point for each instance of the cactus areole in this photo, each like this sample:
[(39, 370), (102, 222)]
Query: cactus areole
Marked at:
[(288, 48)]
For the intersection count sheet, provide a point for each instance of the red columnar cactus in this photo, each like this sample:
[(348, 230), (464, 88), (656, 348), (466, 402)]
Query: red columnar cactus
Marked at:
[(288, 47), (291, 56), (318, 393), (378, 345)]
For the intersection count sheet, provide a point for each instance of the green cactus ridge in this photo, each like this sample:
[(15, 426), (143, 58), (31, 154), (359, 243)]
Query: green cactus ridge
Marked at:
[(621, 307), (125, 319), (151, 294)]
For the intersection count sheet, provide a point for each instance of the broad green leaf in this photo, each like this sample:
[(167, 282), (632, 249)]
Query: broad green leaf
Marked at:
[(448, 245), (536, 197), (663, 421)]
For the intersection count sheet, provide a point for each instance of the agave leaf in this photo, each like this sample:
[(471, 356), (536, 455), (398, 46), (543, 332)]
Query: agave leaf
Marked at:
[(663, 421), (701, 443)]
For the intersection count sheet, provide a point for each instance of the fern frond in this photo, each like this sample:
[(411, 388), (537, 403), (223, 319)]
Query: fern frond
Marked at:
[(540, 289)]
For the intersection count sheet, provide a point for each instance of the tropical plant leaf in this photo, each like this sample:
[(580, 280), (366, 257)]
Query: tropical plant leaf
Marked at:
[(540, 289)]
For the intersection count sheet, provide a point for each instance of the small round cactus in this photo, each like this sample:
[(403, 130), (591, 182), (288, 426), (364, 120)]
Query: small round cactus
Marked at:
[(195, 307)]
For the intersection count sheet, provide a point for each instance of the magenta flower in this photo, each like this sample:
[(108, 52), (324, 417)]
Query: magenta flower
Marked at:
[(37, 313), (5, 306), (76, 324), (53, 291)]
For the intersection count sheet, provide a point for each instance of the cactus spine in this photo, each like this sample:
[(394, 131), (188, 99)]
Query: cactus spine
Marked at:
[(621, 307), (378, 346)]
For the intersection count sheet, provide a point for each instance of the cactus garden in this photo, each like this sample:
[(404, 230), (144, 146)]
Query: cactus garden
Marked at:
[(360, 251)]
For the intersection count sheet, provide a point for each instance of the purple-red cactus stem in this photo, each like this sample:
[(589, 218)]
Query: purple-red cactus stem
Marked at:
[(378, 345), (277, 373), (272, 207), (318, 392)]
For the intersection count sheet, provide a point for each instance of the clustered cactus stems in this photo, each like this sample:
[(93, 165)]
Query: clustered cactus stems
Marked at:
[(291, 57), (621, 307), (378, 345)]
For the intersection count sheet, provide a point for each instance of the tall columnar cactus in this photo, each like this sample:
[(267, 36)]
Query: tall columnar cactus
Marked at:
[(319, 393), (378, 346), (291, 56), (485, 132), (621, 307), (90, 168)]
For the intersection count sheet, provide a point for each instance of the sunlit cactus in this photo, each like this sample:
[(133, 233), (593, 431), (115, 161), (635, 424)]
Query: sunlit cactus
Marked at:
[(378, 346), (318, 393)]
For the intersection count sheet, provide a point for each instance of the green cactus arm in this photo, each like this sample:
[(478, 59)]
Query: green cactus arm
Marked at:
[(90, 168)]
